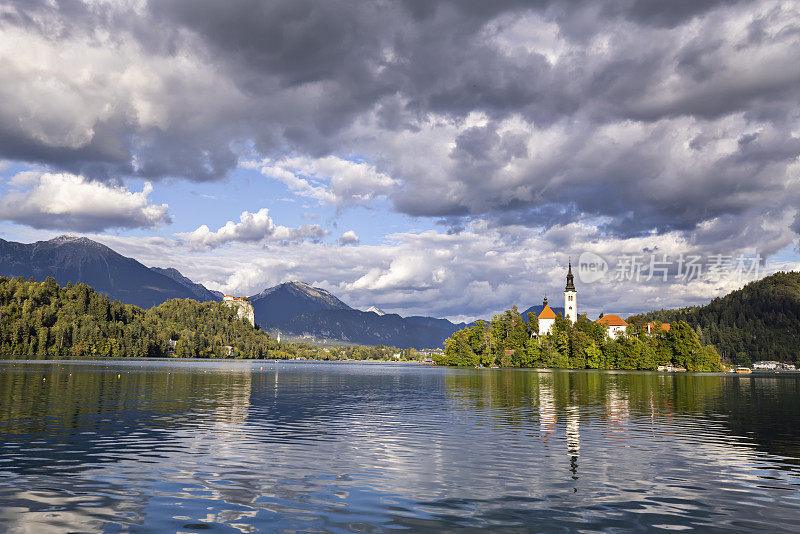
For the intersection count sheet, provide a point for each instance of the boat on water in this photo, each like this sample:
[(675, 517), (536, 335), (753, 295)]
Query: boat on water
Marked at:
[(743, 370)]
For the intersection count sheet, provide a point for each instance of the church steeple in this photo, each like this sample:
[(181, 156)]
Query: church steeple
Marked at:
[(570, 278), (570, 296)]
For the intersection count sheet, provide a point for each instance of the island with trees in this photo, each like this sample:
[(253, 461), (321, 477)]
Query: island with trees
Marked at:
[(508, 340)]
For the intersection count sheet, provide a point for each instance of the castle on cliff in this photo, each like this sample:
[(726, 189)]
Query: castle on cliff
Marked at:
[(243, 307)]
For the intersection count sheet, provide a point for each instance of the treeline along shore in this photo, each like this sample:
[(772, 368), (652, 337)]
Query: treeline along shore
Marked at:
[(44, 320), (509, 341)]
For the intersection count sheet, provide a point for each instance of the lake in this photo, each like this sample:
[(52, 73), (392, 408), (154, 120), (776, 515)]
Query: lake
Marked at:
[(244, 446)]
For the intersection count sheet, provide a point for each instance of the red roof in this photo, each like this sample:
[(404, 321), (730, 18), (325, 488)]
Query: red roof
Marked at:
[(612, 320), (664, 326), (547, 313)]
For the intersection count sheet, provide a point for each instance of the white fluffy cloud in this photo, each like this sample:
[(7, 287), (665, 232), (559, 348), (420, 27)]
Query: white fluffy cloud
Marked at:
[(65, 201), (462, 276), (329, 180), (252, 228), (349, 238)]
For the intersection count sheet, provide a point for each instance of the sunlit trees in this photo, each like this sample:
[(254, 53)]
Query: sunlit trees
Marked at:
[(507, 341), (43, 320), (594, 356), (760, 320)]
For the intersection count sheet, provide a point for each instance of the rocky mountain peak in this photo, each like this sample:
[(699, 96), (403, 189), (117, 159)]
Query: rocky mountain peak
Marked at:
[(63, 238)]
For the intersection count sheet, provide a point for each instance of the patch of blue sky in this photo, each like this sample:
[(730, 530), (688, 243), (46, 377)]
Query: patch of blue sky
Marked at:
[(9, 169), (215, 203), (375, 224), (786, 258)]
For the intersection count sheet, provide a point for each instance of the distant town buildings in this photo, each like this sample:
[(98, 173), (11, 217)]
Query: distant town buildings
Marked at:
[(766, 365), (669, 368), (651, 328), (773, 366)]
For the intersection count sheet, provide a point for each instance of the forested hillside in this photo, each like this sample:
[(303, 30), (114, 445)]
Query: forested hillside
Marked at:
[(761, 321), (41, 319)]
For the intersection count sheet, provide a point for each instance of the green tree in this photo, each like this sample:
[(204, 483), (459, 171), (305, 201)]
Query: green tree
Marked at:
[(593, 355)]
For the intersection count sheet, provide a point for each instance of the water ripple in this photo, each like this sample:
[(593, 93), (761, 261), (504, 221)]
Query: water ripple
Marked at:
[(244, 446)]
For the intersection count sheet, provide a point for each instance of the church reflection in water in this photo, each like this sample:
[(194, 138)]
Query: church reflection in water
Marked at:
[(573, 438), (611, 407)]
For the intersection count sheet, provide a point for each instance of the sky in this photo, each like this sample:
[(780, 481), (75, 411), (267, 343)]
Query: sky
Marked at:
[(444, 158)]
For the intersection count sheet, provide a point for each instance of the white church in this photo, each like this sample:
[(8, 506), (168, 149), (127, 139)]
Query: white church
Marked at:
[(547, 318)]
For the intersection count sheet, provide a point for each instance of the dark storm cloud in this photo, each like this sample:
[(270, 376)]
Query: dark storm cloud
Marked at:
[(671, 13), (635, 115)]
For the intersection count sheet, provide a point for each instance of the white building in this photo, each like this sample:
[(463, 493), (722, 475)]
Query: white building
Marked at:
[(615, 324), (547, 318), (570, 297)]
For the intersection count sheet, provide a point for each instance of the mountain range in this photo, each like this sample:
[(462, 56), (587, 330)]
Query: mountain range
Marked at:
[(200, 292), (299, 309), (78, 259), (294, 307), (276, 304)]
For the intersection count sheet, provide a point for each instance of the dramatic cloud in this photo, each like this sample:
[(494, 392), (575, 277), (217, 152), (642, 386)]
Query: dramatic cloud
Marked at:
[(70, 202), (544, 126), (252, 228), (652, 116)]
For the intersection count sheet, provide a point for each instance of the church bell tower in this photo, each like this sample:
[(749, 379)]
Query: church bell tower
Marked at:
[(570, 297)]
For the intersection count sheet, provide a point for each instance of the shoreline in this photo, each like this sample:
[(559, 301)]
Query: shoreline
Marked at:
[(255, 361)]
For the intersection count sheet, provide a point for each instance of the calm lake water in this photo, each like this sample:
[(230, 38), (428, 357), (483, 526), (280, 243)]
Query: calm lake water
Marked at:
[(203, 446)]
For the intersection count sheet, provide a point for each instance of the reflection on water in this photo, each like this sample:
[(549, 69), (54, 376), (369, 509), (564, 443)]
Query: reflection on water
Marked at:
[(244, 446)]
